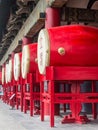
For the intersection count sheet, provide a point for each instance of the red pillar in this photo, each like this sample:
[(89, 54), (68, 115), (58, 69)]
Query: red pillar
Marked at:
[(52, 17), (52, 20), (26, 40)]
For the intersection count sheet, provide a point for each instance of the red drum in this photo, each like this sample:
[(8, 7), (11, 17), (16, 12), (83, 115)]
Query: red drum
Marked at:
[(17, 65), (29, 57), (73, 45), (3, 74)]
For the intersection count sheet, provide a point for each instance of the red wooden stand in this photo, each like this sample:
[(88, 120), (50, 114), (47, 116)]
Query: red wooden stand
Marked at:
[(9, 89), (31, 90), (12, 88), (19, 94), (5, 94), (8, 93), (73, 76)]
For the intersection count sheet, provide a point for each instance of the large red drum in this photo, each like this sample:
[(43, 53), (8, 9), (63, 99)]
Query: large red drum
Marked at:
[(73, 45), (17, 65), (29, 57)]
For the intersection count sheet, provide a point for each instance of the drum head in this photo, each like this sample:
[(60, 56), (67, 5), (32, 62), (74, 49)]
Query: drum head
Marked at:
[(17, 66), (6, 72), (3, 78), (10, 70), (43, 52), (25, 61)]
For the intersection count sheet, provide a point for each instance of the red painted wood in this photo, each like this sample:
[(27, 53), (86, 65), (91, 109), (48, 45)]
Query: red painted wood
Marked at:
[(33, 94), (26, 41), (52, 17), (71, 73), (74, 76), (80, 43)]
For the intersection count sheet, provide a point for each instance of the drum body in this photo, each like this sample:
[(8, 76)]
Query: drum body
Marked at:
[(72, 45), (17, 65), (29, 56)]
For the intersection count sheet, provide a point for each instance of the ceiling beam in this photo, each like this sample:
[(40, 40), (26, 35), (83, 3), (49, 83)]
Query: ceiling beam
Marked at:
[(31, 22)]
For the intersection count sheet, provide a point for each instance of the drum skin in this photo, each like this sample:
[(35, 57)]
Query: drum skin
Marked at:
[(72, 45), (17, 65), (0, 77), (29, 56), (10, 71), (3, 74), (6, 73), (11, 68)]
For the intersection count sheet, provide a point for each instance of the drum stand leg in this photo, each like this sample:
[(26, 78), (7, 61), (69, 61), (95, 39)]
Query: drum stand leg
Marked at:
[(75, 107)]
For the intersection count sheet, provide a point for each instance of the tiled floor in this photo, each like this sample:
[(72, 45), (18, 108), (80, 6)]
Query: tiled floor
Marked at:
[(16, 120)]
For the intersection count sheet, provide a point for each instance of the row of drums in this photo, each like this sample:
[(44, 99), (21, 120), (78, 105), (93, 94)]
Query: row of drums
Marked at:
[(70, 45)]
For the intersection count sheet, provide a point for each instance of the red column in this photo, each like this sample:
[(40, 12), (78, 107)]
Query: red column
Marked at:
[(26, 40), (52, 17), (52, 20)]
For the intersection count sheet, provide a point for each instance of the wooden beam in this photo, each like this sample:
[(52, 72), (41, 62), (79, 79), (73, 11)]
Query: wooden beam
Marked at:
[(31, 23), (56, 3)]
